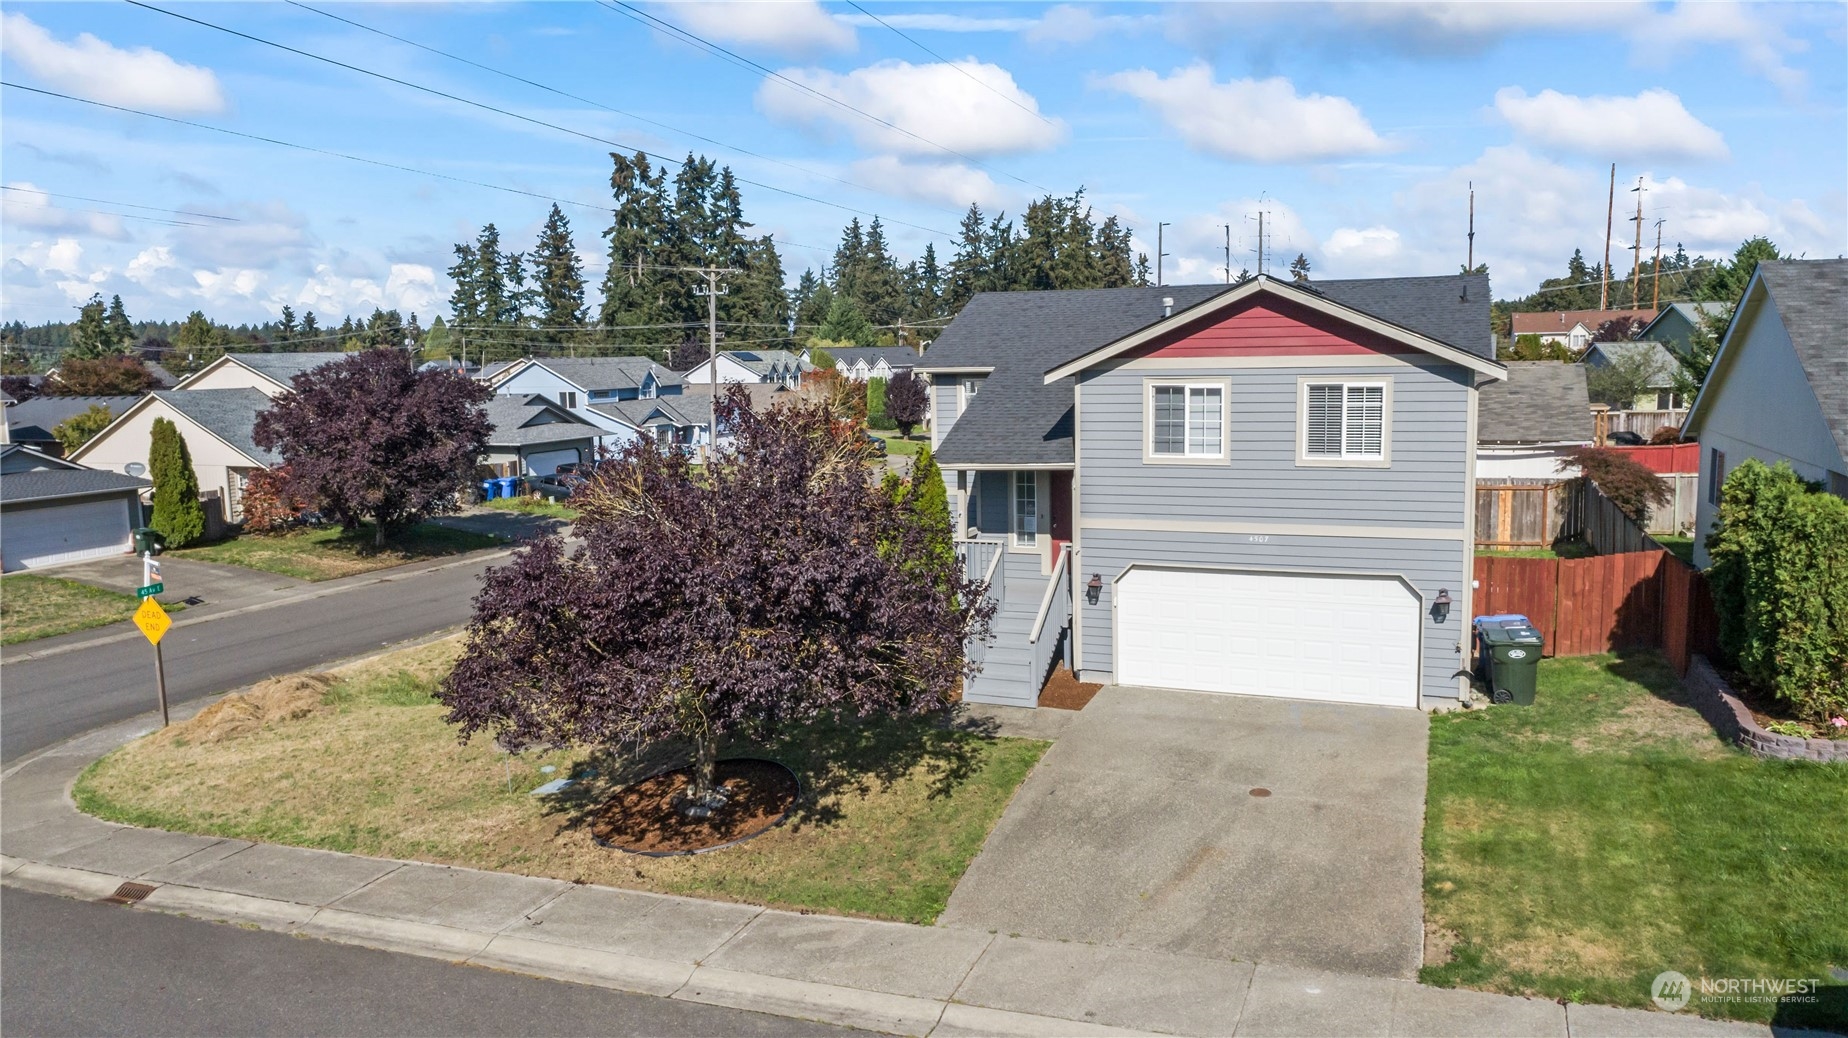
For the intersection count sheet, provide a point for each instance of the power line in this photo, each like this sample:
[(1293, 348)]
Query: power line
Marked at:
[(737, 59), (583, 100), (125, 205), (119, 216), (595, 206), (434, 92), (971, 77)]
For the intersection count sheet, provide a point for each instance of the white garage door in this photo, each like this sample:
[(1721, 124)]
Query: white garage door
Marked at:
[(546, 462), (35, 537), (1298, 636)]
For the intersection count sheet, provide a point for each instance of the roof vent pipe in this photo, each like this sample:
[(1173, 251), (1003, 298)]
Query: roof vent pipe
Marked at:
[(1167, 306)]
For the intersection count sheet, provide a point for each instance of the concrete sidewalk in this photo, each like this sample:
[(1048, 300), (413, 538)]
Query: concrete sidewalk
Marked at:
[(911, 980)]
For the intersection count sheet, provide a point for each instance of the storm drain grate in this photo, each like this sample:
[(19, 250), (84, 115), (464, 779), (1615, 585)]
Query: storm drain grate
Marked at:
[(129, 893)]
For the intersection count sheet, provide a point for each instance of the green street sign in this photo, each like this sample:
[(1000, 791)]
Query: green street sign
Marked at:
[(150, 590)]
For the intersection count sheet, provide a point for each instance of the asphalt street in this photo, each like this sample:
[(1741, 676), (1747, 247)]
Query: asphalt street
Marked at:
[(45, 701), (79, 968)]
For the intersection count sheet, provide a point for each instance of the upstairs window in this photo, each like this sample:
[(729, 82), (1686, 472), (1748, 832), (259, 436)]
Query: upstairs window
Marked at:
[(1187, 421), (1344, 422), (567, 399)]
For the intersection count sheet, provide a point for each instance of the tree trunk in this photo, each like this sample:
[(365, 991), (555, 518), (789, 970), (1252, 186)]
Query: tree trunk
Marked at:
[(378, 531), (703, 795)]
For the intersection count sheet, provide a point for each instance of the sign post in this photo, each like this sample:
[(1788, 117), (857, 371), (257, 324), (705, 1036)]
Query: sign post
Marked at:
[(154, 621)]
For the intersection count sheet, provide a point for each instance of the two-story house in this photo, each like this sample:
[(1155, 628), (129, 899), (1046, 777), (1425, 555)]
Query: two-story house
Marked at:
[(1261, 489), (586, 386), (749, 366)]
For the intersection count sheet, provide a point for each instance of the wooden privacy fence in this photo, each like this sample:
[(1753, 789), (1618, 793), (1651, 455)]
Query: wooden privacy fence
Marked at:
[(1642, 423), (1637, 599), (1514, 513)]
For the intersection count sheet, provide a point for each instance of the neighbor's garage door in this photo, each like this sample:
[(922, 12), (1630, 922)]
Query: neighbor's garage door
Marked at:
[(1299, 636), (546, 462), (47, 536)]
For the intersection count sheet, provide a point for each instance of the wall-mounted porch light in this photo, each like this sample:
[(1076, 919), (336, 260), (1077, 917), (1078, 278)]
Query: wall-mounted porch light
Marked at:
[(1093, 588), (1440, 606)]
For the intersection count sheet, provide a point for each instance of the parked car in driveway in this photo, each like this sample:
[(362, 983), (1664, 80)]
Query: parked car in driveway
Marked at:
[(556, 487)]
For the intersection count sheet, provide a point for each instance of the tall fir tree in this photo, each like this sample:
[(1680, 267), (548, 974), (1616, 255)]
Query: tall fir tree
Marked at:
[(559, 306)]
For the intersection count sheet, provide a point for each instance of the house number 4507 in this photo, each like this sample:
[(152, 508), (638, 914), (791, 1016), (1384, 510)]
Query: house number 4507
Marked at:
[(1259, 538)]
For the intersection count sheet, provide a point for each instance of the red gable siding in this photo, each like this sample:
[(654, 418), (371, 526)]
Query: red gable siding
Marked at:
[(1272, 328)]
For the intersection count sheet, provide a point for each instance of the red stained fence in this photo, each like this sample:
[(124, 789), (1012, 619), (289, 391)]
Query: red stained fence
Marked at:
[(1665, 459), (1583, 606)]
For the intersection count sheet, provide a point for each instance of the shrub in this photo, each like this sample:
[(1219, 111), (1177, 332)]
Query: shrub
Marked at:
[(1627, 482), (178, 515), (270, 506), (1666, 434), (80, 429), (1780, 586), (876, 404), (907, 401)]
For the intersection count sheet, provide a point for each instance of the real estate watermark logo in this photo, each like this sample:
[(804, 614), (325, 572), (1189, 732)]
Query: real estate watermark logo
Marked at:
[(1671, 991)]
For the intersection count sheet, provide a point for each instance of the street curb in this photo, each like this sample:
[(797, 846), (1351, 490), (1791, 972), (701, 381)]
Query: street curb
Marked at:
[(826, 1003)]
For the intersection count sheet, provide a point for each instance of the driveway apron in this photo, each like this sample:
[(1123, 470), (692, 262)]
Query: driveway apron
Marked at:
[(1232, 827)]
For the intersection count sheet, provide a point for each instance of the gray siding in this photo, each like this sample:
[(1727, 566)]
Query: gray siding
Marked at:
[(943, 404), (1007, 677), (1261, 482), (1429, 565)]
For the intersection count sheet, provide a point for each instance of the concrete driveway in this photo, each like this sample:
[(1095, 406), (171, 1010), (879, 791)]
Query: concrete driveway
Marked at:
[(209, 582), (1140, 828)]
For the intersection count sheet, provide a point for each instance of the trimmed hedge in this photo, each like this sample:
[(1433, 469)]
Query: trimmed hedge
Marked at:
[(1780, 586)]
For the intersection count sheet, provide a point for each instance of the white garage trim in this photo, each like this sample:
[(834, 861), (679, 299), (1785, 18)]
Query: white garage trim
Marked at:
[(1274, 607), (56, 534)]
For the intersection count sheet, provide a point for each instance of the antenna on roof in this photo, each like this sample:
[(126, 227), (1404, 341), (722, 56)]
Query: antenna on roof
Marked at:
[(1470, 267)]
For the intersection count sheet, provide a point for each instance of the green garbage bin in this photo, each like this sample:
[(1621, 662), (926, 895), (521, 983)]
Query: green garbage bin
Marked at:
[(149, 540), (1513, 658)]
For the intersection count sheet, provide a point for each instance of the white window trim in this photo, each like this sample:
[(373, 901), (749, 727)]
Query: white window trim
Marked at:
[(1303, 458), (1013, 511), (1149, 457), (963, 393)]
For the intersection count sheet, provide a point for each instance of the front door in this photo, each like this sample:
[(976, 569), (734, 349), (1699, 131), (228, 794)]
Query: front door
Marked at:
[(1060, 518)]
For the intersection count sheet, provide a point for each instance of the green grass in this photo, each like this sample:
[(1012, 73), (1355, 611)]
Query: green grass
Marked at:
[(326, 553), (891, 816), (34, 606), (896, 444), (1563, 550), (1683, 547), (532, 506), (1577, 848)]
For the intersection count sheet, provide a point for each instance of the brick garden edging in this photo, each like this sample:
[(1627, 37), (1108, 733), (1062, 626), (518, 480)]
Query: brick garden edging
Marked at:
[(1714, 698)]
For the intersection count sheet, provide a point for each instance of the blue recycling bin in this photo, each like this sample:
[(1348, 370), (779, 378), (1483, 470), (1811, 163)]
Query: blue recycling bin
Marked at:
[(506, 484), (487, 490)]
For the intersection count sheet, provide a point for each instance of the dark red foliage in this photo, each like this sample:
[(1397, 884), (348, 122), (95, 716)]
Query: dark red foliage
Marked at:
[(1619, 329), (104, 376), (270, 503), (370, 437), (907, 401), (1627, 482), (760, 591)]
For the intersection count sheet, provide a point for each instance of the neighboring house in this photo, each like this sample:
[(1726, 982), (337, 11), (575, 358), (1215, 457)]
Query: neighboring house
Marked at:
[(268, 373), (1573, 328), (492, 371), (1265, 488), (1660, 394), (1778, 390), (217, 425), (861, 363), (1528, 423), (779, 366), (458, 367), (1674, 326), (31, 421), (683, 419), (532, 436), (580, 384), (54, 511)]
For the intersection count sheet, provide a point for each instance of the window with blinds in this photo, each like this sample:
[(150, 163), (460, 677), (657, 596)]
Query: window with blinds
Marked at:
[(1343, 420), (1187, 421)]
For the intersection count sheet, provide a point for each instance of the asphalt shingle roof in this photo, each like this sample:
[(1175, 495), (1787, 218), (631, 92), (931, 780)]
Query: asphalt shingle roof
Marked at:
[(595, 373), (511, 415), (894, 356), (1018, 419), (1809, 296), (1543, 401), (761, 361), (50, 484), (284, 366), (229, 414), (1605, 352), (31, 421)]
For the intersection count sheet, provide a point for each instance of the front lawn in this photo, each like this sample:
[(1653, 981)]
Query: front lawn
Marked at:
[(891, 814), (527, 505), (896, 444), (1577, 848), (324, 553), (34, 606)]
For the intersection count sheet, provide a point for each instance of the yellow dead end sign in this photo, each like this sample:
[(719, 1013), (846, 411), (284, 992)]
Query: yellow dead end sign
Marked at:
[(153, 620)]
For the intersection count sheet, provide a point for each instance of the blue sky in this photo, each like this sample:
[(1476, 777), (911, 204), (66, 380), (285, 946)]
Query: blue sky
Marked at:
[(1356, 127)]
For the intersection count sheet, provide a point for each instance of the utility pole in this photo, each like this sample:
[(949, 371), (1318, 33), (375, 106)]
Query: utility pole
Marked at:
[(712, 292), (1610, 209), (1470, 267), (1160, 228), (1636, 262), (1260, 241), (1655, 294)]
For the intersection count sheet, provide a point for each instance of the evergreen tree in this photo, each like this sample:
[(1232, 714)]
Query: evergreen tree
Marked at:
[(969, 266), (799, 299), (286, 328), (437, 342), (927, 498), (1727, 282), (90, 336), (1299, 268), (178, 515), (845, 323), (849, 259), (636, 237), (1142, 270), (465, 298), (311, 330), (120, 330), (815, 307), (560, 277), (924, 287)]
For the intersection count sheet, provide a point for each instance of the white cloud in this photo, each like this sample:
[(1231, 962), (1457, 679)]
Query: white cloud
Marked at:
[(939, 22), (148, 263), (968, 106), (1363, 252), (1762, 43), (1654, 123), (27, 207), (1071, 24), (794, 27), (1252, 120), (1196, 242), (89, 67), (409, 287), (949, 183)]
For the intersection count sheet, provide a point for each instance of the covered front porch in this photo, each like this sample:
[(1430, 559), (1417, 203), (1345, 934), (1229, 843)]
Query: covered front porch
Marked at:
[(1014, 530)]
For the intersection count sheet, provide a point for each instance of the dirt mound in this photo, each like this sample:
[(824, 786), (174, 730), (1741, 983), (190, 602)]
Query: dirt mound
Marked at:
[(286, 698)]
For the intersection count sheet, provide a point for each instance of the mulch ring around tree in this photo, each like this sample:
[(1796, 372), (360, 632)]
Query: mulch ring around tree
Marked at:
[(645, 817)]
